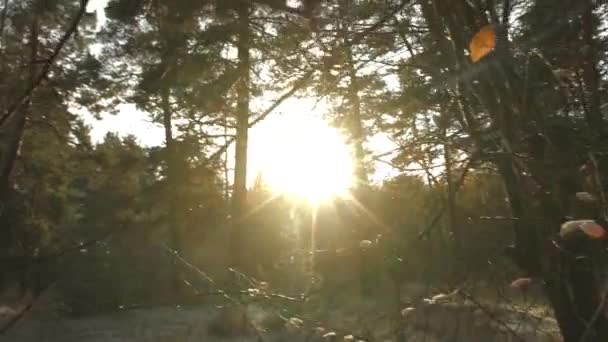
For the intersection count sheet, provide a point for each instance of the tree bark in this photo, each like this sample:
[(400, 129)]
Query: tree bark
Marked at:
[(453, 228), (239, 197), (14, 141), (2, 25), (356, 125), (173, 192), (354, 122), (225, 165), (16, 130), (591, 76)]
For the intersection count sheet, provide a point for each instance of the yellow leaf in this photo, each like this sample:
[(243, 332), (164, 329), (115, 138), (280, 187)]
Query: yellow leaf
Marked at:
[(483, 42)]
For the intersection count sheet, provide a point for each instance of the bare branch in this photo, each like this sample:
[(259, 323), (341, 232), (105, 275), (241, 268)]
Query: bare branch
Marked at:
[(15, 319), (423, 234), (300, 83), (12, 109)]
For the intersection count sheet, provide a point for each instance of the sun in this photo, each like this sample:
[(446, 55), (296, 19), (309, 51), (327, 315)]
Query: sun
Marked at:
[(303, 156)]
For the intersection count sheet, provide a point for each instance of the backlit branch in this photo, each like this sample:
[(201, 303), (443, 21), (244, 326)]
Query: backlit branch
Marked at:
[(13, 108)]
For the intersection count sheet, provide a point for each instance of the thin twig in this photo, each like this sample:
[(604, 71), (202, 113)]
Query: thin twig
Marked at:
[(197, 270), (3, 21), (598, 311), (300, 83), (468, 296), (424, 233), (68, 250), (15, 319), (493, 218), (598, 181)]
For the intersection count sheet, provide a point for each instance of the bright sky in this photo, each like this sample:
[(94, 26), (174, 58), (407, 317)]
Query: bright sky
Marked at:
[(98, 6), (296, 151), (294, 148)]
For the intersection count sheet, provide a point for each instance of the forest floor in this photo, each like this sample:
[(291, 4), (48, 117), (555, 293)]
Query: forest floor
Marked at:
[(449, 321)]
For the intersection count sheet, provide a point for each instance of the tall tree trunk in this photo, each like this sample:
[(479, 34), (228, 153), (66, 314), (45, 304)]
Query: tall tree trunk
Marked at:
[(570, 284), (225, 164), (357, 138), (356, 125), (18, 126), (3, 15), (456, 238), (239, 196), (591, 75), (171, 158), (16, 131), (31, 265), (353, 121)]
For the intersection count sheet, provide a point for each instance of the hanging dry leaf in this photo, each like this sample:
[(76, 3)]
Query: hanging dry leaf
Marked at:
[(521, 283), (444, 296), (318, 331), (296, 321), (330, 335), (440, 298), (570, 227), (405, 312), (591, 228), (483, 42), (585, 197), (365, 244), (7, 311), (293, 324), (253, 292), (342, 252)]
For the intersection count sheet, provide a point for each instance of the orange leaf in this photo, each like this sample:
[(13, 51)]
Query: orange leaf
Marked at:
[(483, 42), (521, 283), (593, 230)]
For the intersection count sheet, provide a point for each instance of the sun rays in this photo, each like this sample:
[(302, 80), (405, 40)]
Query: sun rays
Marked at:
[(303, 157)]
